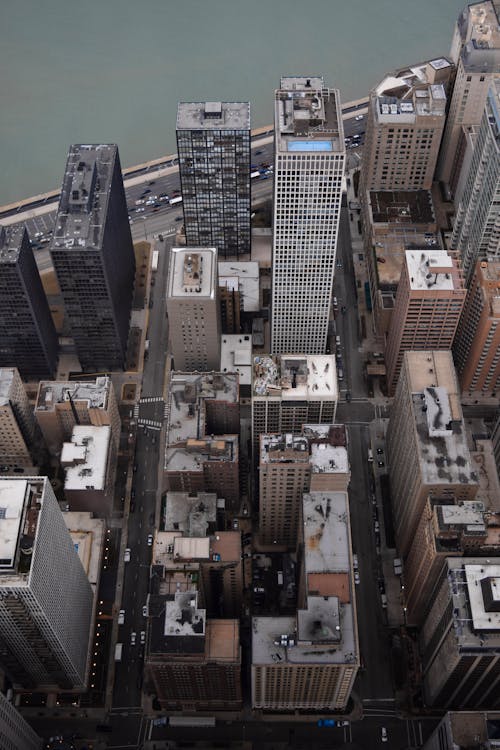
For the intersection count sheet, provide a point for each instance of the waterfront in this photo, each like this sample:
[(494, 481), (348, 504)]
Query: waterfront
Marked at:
[(114, 71)]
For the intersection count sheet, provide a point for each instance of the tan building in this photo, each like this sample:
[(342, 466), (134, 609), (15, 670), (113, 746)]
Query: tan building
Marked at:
[(202, 448), (310, 661), (460, 637), (394, 221), (426, 441), (465, 729), (90, 470), (193, 308), (17, 423), (444, 530), (405, 122), (290, 465), (474, 51), (291, 390), (239, 293), (429, 303), (62, 405), (194, 664), (477, 342)]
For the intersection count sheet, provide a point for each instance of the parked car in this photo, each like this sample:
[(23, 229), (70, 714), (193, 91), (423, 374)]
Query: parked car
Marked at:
[(132, 638), (383, 732), (126, 556), (121, 617), (143, 636)]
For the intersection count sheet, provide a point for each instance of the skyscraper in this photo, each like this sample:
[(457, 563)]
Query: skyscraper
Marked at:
[(428, 305), (309, 167), (477, 342), (15, 732), (474, 50), (476, 228), (193, 308), (213, 144), (46, 600), (93, 256), (17, 423), (405, 121), (28, 338), (427, 447)]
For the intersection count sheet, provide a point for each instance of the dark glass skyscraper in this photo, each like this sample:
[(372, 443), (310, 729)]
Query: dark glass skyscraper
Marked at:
[(93, 256), (213, 143), (28, 338)]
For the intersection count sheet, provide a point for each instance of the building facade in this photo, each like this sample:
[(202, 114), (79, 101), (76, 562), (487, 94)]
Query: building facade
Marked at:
[(475, 52), (15, 732), (427, 447), (213, 144), (476, 227), (476, 348), (308, 174), (27, 332), (17, 423), (46, 601), (193, 309), (93, 256), (429, 303)]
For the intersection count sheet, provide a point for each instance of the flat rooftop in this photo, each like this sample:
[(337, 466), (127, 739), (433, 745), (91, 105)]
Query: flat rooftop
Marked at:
[(467, 516), (87, 534), (12, 502), (213, 116), (286, 448), (308, 377), (391, 246), (94, 394), (190, 514), (193, 273), (308, 116), (475, 591), (236, 356), (478, 24), (435, 369), (85, 458), (11, 240), (406, 207), (432, 270), (242, 276), (84, 197)]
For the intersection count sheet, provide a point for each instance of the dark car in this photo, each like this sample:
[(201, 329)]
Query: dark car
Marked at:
[(348, 397), (146, 191), (132, 506), (380, 451), (380, 464)]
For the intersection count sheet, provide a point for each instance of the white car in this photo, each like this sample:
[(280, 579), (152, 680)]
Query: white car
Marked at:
[(121, 617), (383, 732), (143, 636), (140, 202), (126, 556), (132, 638), (145, 610), (150, 540), (356, 577), (359, 117)]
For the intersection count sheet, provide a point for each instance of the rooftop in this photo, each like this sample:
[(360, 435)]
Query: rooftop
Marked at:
[(52, 392), (480, 35), (236, 356), (411, 92), (84, 197), (475, 591), (213, 116), (20, 503), (402, 207), (193, 272), (307, 116), (85, 458), (242, 276), (11, 240), (310, 377), (193, 515), (88, 535), (431, 270)]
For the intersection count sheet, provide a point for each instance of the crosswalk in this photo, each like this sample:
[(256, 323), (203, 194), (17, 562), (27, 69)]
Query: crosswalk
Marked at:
[(154, 421)]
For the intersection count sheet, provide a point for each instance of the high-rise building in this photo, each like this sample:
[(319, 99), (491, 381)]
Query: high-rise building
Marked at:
[(477, 342), (15, 732), (28, 338), (309, 168), (460, 636), (17, 423), (193, 309), (476, 228), (429, 303), (93, 256), (60, 406), (46, 600), (464, 729), (213, 144), (405, 122), (290, 391), (310, 661), (474, 51), (426, 441)]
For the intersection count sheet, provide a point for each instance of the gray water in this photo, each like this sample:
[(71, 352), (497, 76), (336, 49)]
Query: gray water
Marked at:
[(113, 70)]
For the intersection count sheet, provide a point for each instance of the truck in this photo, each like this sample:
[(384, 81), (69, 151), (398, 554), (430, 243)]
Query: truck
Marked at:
[(118, 651), (174, 201), (254, 175), (154, 260)]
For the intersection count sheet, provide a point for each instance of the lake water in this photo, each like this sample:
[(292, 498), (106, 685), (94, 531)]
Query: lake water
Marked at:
[(114, 70)]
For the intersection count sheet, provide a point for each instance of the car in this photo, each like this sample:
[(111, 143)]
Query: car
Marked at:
[(258, 153), (152, 182), (135, 468), (355, 563), (236, 524), (383, 599), (121, 617), (141, 209), (337, 340), (178, 218), (132, 638), (348, 397), (381, 586), (380, 464), (126, 556), (145, 610), (132, 506), (383, 733), (143, 636), (150, 540), (376, 527), (356, 577), (359, 117), (380, 451), (343, 309), (146, 191), (139, 202), (326, 722), (343, 723)]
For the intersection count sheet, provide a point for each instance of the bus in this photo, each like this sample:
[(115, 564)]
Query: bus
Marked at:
[(154, 260), (174, 201), (192, 721)]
